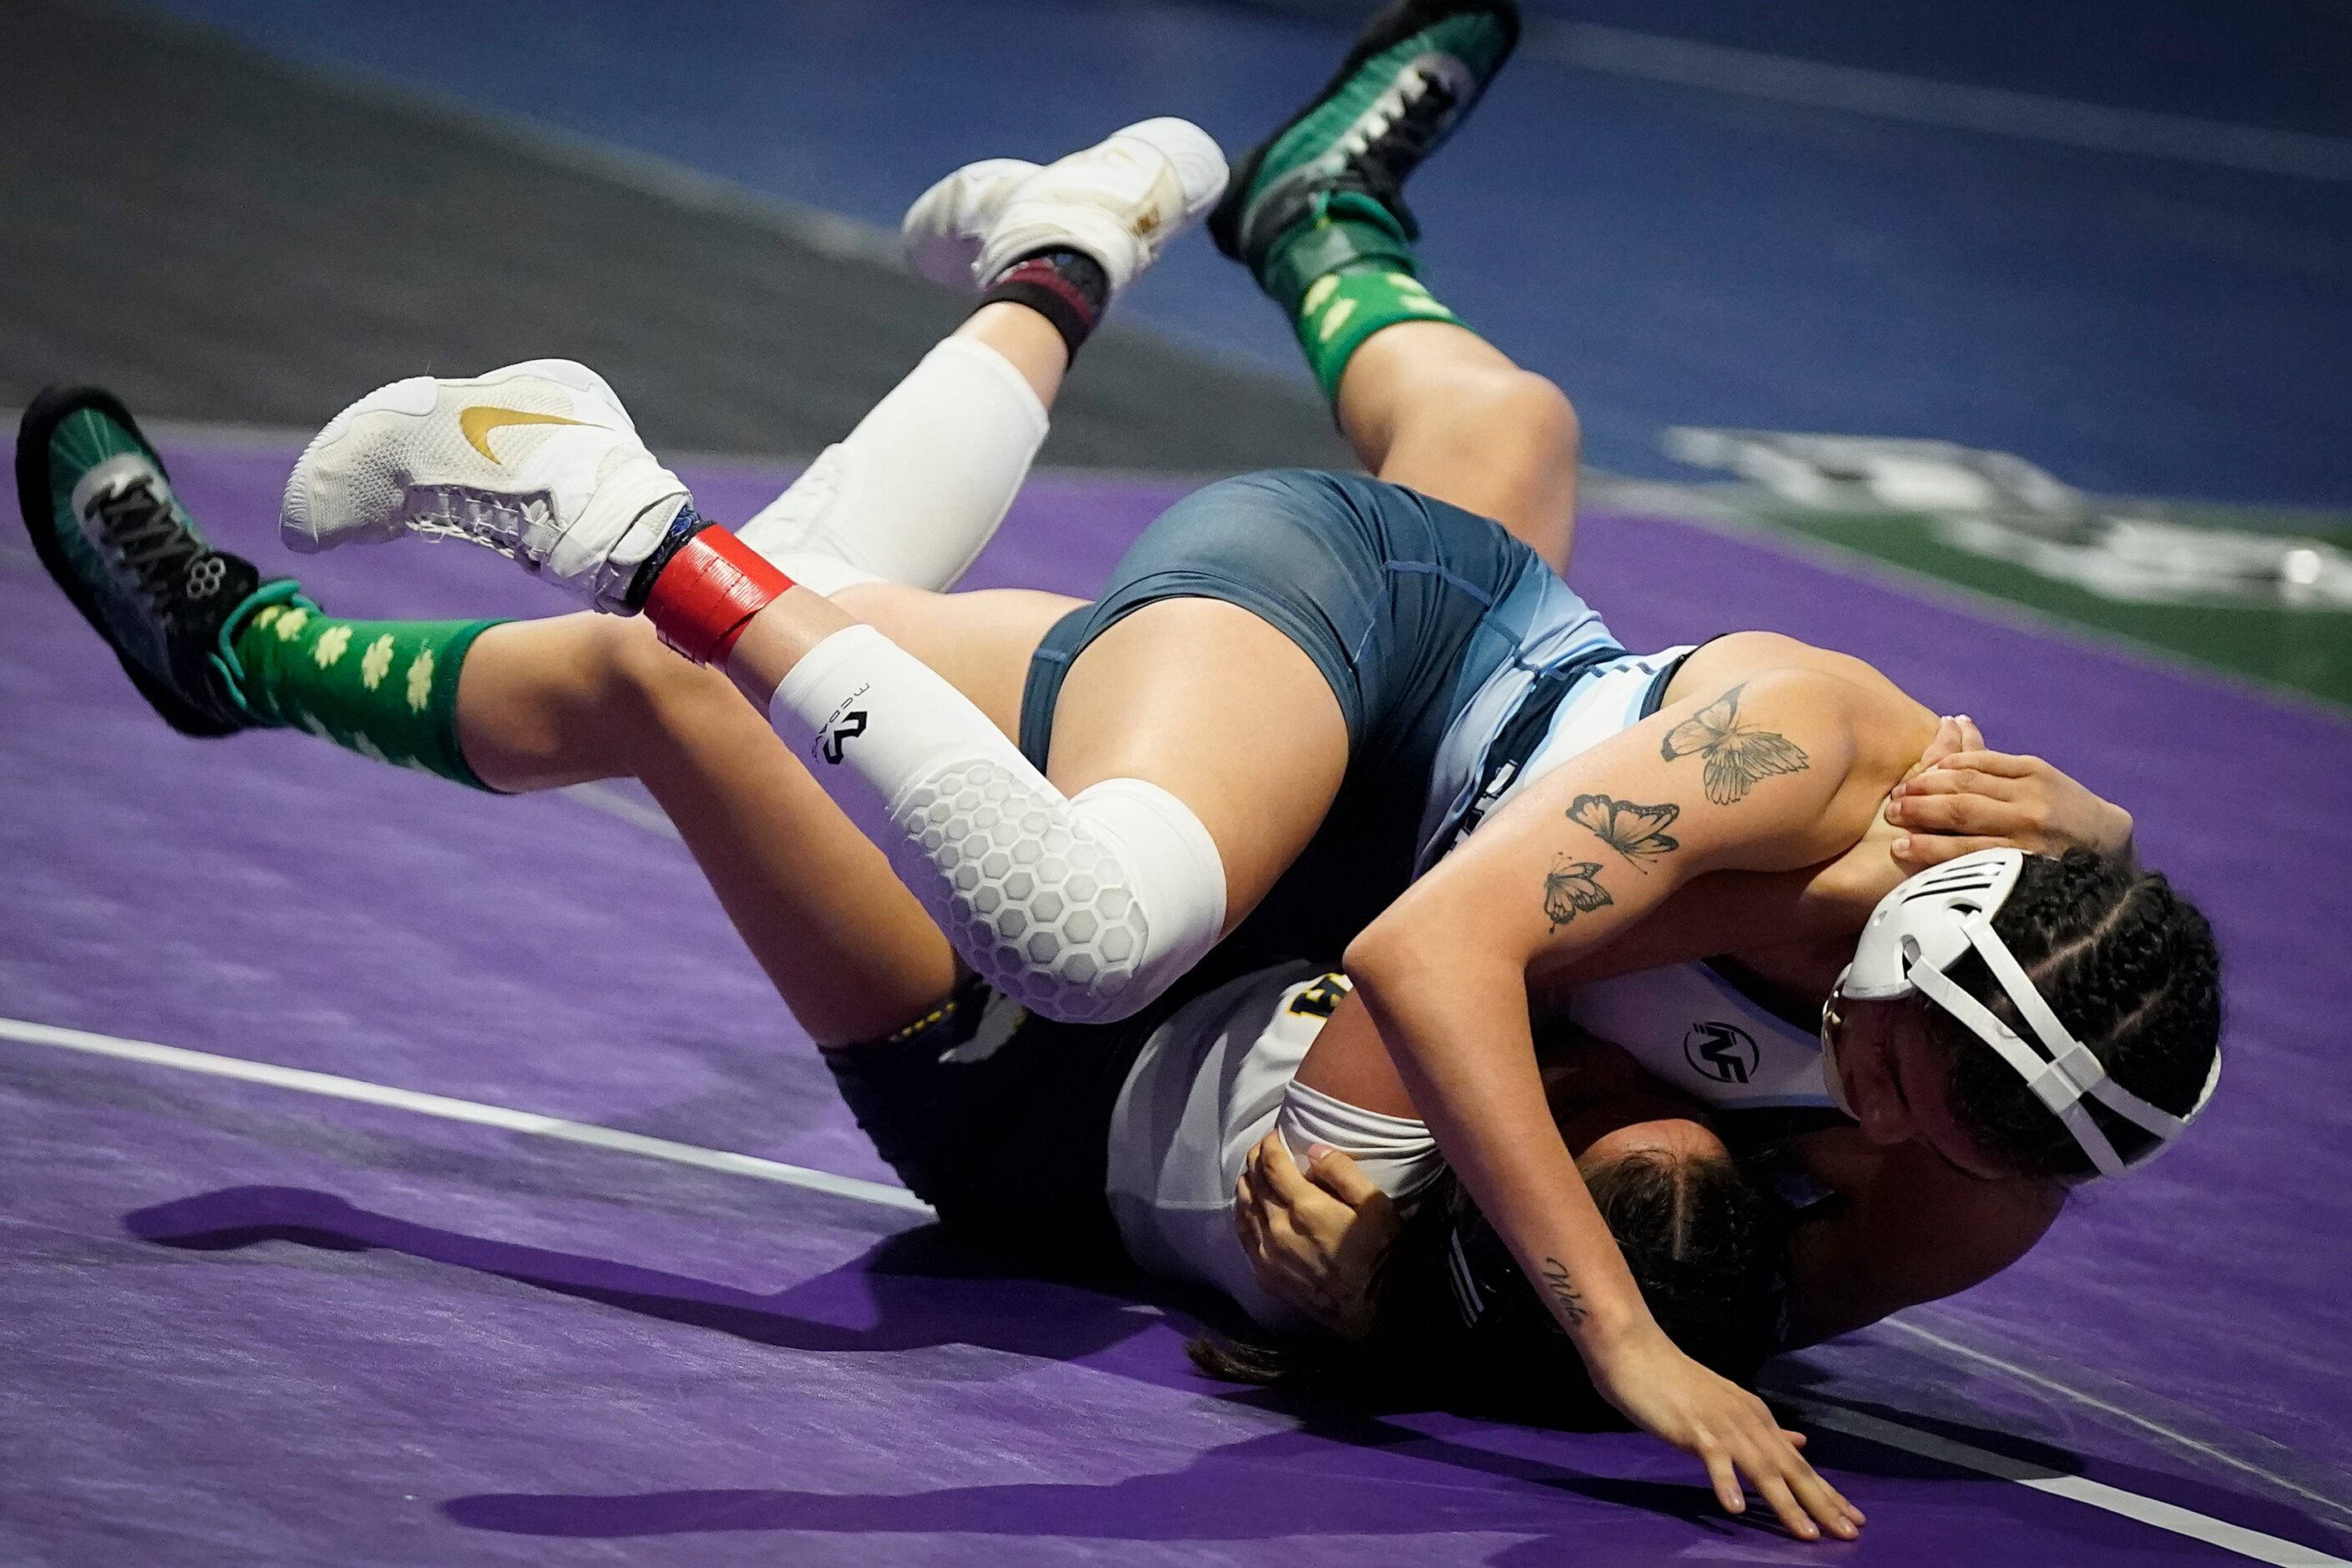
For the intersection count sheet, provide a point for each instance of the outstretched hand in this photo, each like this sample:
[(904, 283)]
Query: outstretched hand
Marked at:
[(1734, 1434), (1315, 1239), (1961, 798)]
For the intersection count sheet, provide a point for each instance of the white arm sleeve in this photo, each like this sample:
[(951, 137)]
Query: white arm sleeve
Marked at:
[(916, 491), (1082, 907), (1396, 1152)]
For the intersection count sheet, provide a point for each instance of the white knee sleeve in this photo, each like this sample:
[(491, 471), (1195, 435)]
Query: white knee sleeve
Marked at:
[(918, 489), (1396, 1152), (1082, 907)]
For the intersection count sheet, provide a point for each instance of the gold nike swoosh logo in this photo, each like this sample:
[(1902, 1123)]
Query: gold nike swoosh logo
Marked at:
[(480, 420)]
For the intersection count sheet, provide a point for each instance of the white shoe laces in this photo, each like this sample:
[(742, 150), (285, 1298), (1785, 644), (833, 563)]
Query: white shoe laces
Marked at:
[(501, 522)]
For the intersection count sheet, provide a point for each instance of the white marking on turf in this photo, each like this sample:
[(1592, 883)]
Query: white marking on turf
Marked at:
[(2252, 1543), (1954, 106), (1691, 506), (334, 1086)]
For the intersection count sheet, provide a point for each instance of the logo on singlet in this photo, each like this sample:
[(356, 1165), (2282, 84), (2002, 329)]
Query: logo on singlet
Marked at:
[(852, 725), (1720, 1051), (1321, 998)]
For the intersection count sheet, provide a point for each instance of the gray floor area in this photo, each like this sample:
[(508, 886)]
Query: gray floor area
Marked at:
[(218, 236)]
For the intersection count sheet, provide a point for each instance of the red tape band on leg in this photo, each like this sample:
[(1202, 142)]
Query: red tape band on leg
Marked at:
[(708, 594)]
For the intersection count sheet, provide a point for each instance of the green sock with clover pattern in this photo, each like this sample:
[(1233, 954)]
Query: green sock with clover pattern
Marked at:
[(386, 690), (1340, 310)]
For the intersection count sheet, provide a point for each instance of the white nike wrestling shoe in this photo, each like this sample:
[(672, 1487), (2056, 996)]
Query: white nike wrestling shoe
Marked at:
[(1121, 201), (943, 230), (538, 461)]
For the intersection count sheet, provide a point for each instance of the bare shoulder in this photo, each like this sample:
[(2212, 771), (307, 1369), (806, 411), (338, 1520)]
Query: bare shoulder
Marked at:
[(1738, 655), (1889, 727)]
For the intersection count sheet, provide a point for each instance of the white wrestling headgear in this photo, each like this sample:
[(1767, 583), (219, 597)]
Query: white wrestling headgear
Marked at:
[(1932, 921)]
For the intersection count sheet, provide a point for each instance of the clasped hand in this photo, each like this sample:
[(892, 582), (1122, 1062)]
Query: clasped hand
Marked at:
[(1961, 798)]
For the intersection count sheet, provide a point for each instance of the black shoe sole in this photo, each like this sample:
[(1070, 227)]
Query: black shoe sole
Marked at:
[(52, 408), (1388, 27)]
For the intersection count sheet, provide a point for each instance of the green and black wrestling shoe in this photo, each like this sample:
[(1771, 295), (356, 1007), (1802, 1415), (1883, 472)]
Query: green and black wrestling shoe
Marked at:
[(1327, 190), (103, 520)]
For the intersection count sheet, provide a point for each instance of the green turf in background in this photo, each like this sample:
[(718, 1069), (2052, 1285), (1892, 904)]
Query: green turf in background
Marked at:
[(2308, 651)]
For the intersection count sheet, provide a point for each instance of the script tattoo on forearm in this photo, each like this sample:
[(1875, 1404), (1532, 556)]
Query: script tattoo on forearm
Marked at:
[(1636, 832), (1737, 755), (1563, 1291), (1572, 888)]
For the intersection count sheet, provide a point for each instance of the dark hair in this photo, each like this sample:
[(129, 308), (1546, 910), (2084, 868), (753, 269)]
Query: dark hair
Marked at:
[(1695, 1233), (2129, 966)]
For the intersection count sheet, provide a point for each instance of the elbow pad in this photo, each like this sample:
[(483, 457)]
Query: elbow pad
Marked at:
[(1083, 908), (1397, 1153)]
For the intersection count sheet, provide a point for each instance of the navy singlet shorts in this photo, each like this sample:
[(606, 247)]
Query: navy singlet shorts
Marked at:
[(1409, 607)]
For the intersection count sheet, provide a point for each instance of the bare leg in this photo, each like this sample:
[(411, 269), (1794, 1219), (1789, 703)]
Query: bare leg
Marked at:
[(546, 704), (1176, 661), (1436, 408), (1258, 773), (1260, 780), (543, 703), (1430, 405)]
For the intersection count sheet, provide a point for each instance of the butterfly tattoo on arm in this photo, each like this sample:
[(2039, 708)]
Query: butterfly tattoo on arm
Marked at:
[(1737, 755), (1636, 832), (1572, 888)]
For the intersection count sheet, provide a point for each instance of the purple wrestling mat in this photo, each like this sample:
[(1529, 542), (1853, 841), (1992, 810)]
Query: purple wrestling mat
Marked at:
[(252, 1322)]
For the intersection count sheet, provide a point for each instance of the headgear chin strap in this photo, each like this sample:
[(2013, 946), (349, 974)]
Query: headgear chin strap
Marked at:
[(1935, 919)]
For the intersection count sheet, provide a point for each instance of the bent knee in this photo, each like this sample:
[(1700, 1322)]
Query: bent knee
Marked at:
[(892, 606), (1084, 909), (1527, 442), (1519, 424), (641, 668), (1534, 414)]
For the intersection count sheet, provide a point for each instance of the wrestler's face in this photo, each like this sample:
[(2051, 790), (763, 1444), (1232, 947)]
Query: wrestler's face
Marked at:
[(1888, 1075)]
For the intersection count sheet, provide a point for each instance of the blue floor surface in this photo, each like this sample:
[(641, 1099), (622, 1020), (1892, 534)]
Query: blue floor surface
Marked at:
[(1672, 256)]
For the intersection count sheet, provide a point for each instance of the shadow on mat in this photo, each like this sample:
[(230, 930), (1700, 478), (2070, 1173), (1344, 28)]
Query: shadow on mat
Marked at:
[(917, 1290), (1280, 1485), (1793, 1378), (913, 1291)]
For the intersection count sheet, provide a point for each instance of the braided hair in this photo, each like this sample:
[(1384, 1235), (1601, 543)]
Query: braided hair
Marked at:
[(1456, 1324), (2130, 968)]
